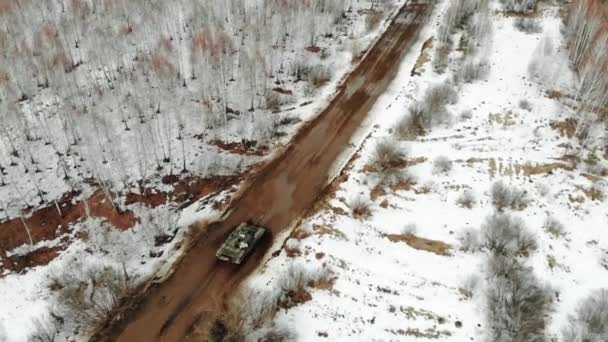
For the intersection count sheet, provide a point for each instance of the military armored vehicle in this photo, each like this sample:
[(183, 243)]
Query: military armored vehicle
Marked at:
[(240, 243)]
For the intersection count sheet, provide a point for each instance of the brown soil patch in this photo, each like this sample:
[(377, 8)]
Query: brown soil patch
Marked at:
[(423, 58), (433, 246), (185, 191), (566, 128), (245, 148), (40, 257), (282, 91), (47, 223), (313, 49)]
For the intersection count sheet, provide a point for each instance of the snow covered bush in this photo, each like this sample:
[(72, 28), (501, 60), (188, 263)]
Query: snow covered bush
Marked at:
[(441, 57), (437, 97), (388, 155), (517, 303), (318, 75), (527, 25), (360, 207), (472, 70), (465, 114), (469, 240), (504, 234), (89, 296), (428, 112), (504, 197), (415, 124), (554, 227), (525, 105), (442, 165), (409, 229), (590, 320), (466, 199), (470, 285)]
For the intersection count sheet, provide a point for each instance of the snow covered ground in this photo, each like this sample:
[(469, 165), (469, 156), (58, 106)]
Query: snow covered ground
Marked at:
[(399, 274), (29, 298)]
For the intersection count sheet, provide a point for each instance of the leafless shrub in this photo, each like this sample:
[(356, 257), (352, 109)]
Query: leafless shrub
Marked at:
[(414, 124), (554, 227), (442, 164), (505, 197), (45, 330), (438, 96), (590, 320), (473, 70), (518, 304), (431, 111), (470, 285), (506, 235), (466, 199), (273, 101), (387, 155), (525, 105), (373, 19), (360, 207), (466, 114), (528, 25), (319, 75), (93, 299), (441, 58), (469, 240)]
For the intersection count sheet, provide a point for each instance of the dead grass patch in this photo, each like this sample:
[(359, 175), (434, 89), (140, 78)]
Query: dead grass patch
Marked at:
[(504, 120), (593, 193), (430, 333), (374, 168), (423, 58), (566, 128), (433, 246), (360, 208), (299, 234), (327, 230), (537, 169), (377, 191), (492, 167)]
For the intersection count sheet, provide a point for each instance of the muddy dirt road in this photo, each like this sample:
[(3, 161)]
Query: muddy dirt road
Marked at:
[(281, 191)]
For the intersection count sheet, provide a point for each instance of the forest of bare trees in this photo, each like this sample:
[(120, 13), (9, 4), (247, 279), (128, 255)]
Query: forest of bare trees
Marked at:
[(586, 32), (119, 92)]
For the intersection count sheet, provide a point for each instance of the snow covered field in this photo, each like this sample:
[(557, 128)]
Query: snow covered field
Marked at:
[(125, 161), (391, 254)]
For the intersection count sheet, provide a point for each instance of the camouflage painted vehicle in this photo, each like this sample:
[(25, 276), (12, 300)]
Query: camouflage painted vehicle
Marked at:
[(240, 243)]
